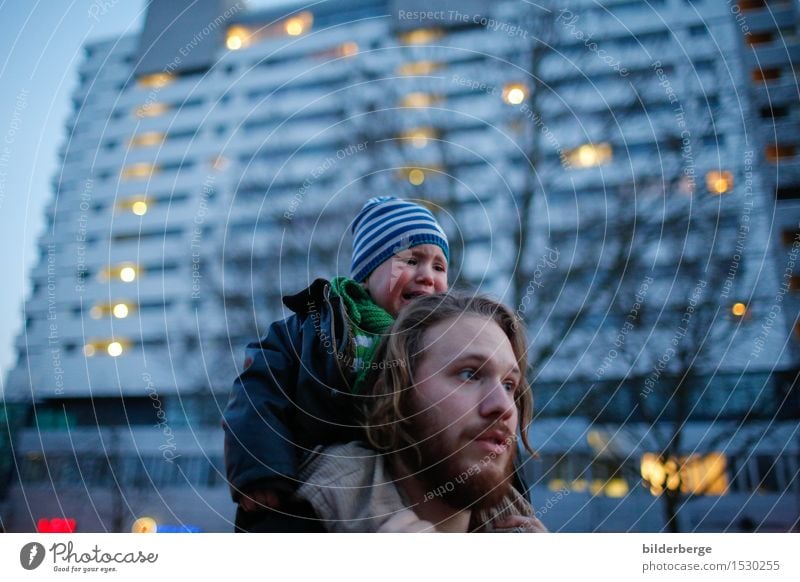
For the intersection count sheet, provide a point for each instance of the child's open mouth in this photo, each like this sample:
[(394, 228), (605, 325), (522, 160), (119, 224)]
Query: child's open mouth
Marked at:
[(413, 294)]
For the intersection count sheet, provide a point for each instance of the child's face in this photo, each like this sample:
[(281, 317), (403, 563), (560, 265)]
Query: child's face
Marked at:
[(420, 270)]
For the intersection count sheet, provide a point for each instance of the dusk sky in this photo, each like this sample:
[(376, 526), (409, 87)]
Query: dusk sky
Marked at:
[(40, 44)]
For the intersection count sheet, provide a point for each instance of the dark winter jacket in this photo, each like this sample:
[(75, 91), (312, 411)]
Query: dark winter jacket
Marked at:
[(293, 394)]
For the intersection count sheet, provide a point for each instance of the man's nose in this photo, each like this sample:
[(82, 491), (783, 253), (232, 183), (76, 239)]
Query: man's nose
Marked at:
[(498, 401)]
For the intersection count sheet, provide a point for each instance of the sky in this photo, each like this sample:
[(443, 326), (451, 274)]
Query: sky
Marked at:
[(40, 52)]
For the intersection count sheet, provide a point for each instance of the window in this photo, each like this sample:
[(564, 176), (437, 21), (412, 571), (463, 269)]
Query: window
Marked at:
[(421, 36), (155, 80), (789, 236), (147, 139), (696, 474), (719, 181), (765, 75), (755, 38), (139, 171), (773, 111), (775, 152), (589, 155), (151, 110), (788, 192)]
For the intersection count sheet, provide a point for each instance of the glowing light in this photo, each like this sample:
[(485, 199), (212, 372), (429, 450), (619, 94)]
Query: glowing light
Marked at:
[(419, 136), (137, 171), (418, 100), (144, 525), (294, 27), (237, 38), (739, 309), (120, 311), (515, 93), (151, 109), (155, 81), (127, 274), (418, 68), (114, 349), (149, 138), (139, 208), (416, 176), (89, 350), (348, 49), (96, 312), (299, 24), (589, 155), (421, 36), (719, 182)]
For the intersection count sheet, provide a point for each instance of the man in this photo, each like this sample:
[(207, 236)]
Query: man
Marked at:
[(447, 401)]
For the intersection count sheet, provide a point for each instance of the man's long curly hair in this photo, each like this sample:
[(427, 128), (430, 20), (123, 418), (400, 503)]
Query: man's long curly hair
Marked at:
[(388, 409)]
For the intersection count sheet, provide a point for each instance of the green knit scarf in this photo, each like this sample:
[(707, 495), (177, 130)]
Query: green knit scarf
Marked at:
[(367, 322)]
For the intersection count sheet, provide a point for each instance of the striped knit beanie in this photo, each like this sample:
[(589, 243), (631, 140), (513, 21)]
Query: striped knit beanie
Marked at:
[(387, 225)]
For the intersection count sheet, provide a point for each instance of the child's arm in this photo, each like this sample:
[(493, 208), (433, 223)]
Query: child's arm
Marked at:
[(259, 445)]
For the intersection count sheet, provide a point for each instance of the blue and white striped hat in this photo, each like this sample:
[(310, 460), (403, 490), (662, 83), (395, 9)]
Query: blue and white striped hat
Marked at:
[(387, 225)]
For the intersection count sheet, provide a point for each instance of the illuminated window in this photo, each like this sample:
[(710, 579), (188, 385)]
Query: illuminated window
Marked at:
[(113, 348), (155, 81), (421, 36), (147, 139), (348, 49), (118, 309), (237, 37), (138, 171), (419, 100), (696, 474), (136, 204), (139, 208), (418, 68), (775, 152), (416, 175), (151, 110), (719, 182), (297, 25), (515, 93), (125, 272), (419, 136), (589, 155)]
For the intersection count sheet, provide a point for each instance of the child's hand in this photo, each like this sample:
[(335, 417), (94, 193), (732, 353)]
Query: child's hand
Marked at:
[(259, 499), (518, 523)]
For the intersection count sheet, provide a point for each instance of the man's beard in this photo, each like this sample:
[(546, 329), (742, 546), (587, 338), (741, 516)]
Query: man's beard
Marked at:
[(457, 476)]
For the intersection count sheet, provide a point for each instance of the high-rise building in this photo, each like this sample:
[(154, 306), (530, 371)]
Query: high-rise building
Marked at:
[(609, 168)]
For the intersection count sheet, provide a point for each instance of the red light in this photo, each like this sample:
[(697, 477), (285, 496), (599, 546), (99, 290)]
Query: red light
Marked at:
[(56, 525)]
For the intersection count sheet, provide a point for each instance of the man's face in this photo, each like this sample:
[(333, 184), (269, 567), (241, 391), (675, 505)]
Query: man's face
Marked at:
[(420, 270), (464, 415)]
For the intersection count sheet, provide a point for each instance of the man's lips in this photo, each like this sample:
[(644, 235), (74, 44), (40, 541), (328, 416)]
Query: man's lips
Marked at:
[(495, 441)]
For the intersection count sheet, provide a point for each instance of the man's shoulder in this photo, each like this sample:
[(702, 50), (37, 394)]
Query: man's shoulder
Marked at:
[(349, 463), (313, 295)]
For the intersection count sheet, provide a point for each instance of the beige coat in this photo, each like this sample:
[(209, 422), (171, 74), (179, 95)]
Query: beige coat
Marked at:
[(351, 491)]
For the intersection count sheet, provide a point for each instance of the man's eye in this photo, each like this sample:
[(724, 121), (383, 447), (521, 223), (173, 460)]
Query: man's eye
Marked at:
[(468, 374)]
